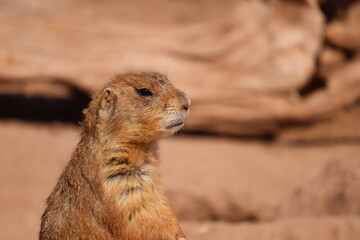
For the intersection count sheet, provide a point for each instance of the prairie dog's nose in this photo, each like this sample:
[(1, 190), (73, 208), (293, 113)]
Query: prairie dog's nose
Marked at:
[(186, 102)]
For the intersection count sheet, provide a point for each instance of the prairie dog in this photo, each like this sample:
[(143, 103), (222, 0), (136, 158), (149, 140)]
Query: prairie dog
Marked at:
[(110, 189)]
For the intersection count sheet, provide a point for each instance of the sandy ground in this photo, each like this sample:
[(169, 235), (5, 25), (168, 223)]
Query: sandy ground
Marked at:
[(207, 179)]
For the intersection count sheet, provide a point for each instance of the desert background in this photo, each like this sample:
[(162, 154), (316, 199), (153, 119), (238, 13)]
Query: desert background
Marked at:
[(271, 149)]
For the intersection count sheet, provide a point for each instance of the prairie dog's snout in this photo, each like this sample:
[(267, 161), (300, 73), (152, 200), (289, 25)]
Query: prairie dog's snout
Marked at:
[(185, 101), (176, 112)]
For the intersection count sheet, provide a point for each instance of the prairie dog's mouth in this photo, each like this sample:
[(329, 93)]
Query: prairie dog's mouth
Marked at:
[(176, 124)]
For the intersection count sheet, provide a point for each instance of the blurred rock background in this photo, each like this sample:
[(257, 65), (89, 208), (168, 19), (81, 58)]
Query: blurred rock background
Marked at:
[(271, 149)]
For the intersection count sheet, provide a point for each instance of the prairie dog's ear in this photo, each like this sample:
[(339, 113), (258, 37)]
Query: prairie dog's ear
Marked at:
[(108, 99)]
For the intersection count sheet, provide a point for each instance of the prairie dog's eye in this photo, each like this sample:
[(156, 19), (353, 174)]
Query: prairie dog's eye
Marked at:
[(144, 92)]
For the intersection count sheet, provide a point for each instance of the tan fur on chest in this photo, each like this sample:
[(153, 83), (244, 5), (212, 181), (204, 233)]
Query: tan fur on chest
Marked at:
[(131, 179)]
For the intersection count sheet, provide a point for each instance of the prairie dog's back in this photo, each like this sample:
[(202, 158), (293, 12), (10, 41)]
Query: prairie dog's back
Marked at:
[(110, 189)]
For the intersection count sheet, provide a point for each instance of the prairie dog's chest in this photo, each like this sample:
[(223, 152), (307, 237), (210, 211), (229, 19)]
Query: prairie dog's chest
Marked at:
[(131, 185)]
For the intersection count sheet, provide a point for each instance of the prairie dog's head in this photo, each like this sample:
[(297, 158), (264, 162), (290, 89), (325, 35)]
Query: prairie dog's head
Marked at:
[(140, 107)]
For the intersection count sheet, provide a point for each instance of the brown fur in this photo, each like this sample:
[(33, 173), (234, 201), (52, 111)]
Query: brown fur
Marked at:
[(110, 188)]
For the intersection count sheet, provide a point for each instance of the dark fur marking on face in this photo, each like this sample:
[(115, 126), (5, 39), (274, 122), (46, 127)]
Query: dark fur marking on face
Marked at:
[(162, 79), (159, 77)]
